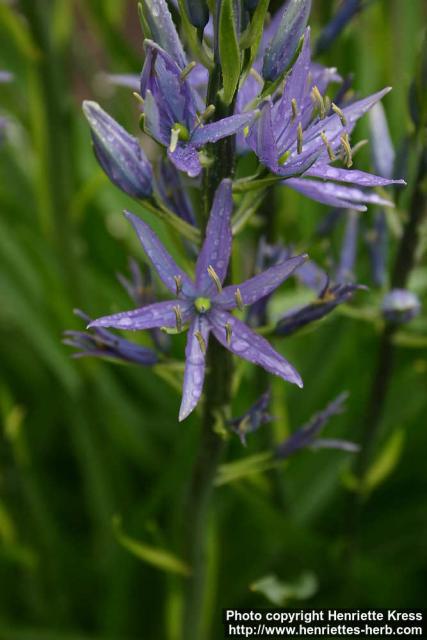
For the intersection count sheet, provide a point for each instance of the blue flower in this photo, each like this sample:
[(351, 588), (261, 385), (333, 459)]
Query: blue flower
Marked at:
[(204, 304)]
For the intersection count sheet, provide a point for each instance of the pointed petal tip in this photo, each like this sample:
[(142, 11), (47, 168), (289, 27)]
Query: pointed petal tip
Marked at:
[(184, 412), (88, 106)]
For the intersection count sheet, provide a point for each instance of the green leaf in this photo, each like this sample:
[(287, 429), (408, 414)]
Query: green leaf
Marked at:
[(241, 469), (279, 593), (159, 558), (385, 462), (409, 340), (252, 36), (229, 51)]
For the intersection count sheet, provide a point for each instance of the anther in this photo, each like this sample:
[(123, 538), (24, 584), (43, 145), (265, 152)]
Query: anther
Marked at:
[(178, 284), (138, 97), (228, 332), (201, 341), (239, 300), (186, 71), (345, 142), (207, 114), (214, 276), (258, 77), (178, 132), (329, 149), (299, 138), (178, 317), (294, 106), (174, 140), (339, 113), (317, 97)]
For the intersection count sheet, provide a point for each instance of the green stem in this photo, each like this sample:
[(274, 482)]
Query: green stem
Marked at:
[(216, 408), (403, 267)]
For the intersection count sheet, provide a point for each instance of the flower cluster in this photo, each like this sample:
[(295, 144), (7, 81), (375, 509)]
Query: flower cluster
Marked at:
[(279, 112)]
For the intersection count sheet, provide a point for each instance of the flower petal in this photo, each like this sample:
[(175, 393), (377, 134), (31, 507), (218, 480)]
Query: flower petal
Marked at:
[(195, 365), (325, 192), (381, 143), (216, 248), (262, 140), (161, 259), (336, 195), (159, 314), (174, 96), (261, 285), (247, 344), (186, 159), (163, 31), (353, 176), (220, 129)]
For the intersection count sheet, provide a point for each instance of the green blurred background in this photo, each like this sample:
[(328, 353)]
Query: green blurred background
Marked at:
[(84, 441)]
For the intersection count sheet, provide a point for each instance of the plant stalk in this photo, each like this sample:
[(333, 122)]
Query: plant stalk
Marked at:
[(404, 264), (215, 409)]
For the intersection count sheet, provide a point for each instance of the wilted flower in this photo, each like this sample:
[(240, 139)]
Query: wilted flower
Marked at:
[(253, 418), (100, 343), (306, 436), (119, 153), (329, 298), (400, 306), (204, 304), (173, 112), (300, 134)]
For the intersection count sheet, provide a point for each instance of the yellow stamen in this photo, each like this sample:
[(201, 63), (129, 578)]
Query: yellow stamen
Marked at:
[(228, 332), (178, 284), (294, 109), (299, 138), (186, 71), (318, 98), (201, 341), (339, 113), (214, 276), (178, 317), (139, 98), (345, 142), (329, 149), (239, 299)]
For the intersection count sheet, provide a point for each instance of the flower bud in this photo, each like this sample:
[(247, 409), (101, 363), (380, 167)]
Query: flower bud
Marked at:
[(285, 41), (119, 153), (198, 13), (400, 306)]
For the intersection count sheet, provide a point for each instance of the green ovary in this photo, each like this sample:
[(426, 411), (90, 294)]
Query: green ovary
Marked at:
[(202, 304)]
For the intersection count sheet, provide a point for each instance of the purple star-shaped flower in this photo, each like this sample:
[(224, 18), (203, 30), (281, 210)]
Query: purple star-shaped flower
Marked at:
[(205, 305), (300, 134), (173, 112)]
